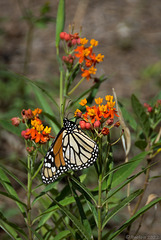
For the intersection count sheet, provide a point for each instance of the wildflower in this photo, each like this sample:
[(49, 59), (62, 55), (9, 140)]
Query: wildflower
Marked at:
[(87, 73), (93, 42), (37, 132), (47, 130), (37, 111), (83, 102), (99, 57), (99, 116), (98, 100), (83, 41), (26, 114), (92, 114), (15, 121)]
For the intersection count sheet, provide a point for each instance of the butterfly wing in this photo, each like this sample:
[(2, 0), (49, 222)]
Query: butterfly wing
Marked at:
[(72, 149), (54, 164), (79, 150)]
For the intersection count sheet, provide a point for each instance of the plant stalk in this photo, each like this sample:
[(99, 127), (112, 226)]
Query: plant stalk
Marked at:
[(100, 207), (77, 85), (29, 185)]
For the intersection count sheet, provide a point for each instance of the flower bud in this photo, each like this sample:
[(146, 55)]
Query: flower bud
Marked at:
[(67, 37), (82, 124), (150, 109), (30, 149), (62, 34), (117, 124), (15, 121), (109, 121), (97, 124), (88, 125)]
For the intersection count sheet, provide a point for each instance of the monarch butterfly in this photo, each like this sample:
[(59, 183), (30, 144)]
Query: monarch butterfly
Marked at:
[(71, 149)]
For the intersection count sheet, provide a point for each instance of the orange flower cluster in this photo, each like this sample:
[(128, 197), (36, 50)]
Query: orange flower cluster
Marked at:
[(38, 132), (98, 116), (87, 58), (35, 129)]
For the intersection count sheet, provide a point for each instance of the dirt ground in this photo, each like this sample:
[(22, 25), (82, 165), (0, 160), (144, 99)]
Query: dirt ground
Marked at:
[(129, 35)]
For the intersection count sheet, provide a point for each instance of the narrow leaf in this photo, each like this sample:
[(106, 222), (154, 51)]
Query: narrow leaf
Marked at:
[(74, 220), (141, 115), (62, 235), (46, 107), (122, 204), (133, 218), (6, 124), (83, 189), (49, 212), (124, 172), (13, 176), (7, 185), (13, 198), (60, 21)]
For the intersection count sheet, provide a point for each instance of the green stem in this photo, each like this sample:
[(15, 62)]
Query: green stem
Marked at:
[(100, 207), (61, 98), (77, 85), (100, 193), (29, 185)]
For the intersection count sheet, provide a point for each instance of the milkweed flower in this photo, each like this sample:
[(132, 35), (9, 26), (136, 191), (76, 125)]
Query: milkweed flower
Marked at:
[(83, 102), (87, 58), (35, 130), (99, 117)]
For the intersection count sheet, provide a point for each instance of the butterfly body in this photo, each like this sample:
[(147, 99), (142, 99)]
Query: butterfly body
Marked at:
[(72, 149)]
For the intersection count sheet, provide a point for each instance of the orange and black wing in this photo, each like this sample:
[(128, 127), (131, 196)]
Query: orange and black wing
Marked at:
[(54, 164)]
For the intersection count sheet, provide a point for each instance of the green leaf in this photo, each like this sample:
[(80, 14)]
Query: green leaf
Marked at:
[(46, 107), (74, 220), (124, 172), (133, 218), (6, 124), (49, 212), (7, 185), (141, 115), (60, 21), (122, 204), (93, 210), (13, 176), (83, 189), (62, 235), (84, 219), (10, 228), (141, 144), (13, 198), (127, 116)]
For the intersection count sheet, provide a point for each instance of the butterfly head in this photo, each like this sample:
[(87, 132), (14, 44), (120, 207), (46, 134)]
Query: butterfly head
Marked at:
[(69, 125)]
